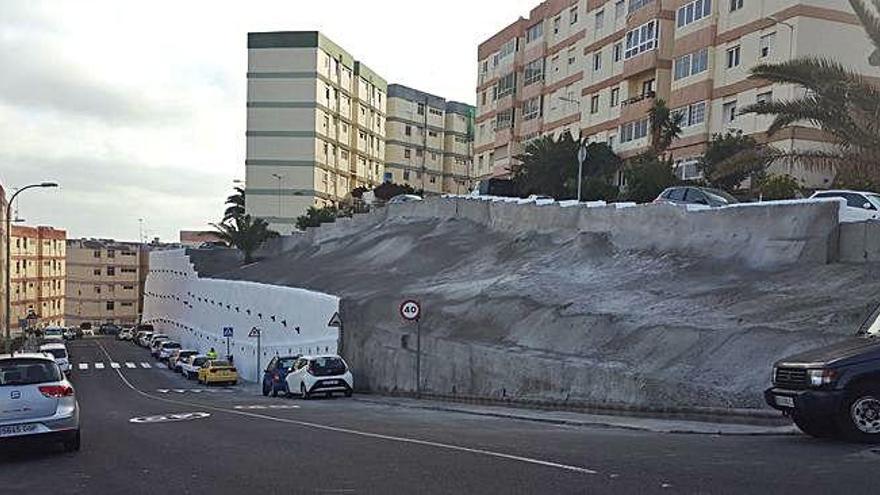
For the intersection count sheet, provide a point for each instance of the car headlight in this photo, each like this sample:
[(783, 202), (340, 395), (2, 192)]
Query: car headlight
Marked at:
[(822, 377)]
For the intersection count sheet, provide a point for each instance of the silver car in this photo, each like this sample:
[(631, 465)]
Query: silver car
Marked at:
[(36, 400)]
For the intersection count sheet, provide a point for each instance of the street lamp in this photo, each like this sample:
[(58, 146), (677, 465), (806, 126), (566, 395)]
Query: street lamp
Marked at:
[(9, 256), (582, 147), (279, 177), (790, 27)]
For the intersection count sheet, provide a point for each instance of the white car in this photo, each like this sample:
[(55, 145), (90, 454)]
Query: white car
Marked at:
[(190, 367), (178, 357), (36, 400), (326, 375), (860, 206), (58, 352), (88, 333), (166, 348)]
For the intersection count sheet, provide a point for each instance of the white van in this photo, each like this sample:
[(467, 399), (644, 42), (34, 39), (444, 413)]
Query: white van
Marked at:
[(59, 353)]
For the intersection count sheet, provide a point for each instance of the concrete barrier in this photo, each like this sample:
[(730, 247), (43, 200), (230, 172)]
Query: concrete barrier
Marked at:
[(860, 242)]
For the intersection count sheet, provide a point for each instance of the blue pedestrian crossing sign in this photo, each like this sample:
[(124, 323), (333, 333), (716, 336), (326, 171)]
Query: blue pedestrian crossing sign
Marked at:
[(227, 332)]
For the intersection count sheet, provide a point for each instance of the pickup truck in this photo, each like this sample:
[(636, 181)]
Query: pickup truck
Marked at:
[(833, 391)]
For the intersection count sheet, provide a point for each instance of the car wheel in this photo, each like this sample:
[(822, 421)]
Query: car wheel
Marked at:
[(822, 427), (265, 390), (72, 444), (859, 415), (328, 395), (303, 392), (348, 393)]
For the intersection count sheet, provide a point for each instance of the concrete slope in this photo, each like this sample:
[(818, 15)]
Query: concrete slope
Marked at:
[(565, 315)]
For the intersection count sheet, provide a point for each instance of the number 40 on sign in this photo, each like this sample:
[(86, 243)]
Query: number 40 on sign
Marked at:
[(410, 310)]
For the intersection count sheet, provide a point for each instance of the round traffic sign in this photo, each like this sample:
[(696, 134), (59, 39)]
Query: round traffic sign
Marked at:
[(410, 310)]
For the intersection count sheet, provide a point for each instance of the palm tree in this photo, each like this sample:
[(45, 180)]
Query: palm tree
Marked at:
[(546, 165), (245, 233), (235, 205), (837, 100), (665, 126)]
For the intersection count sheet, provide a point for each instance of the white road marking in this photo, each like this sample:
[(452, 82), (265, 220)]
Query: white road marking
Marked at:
[(130, 365), (162, 390), (145, 365), (180, 390), (83, 366), (99, 366), (115, 366), (366, 434)]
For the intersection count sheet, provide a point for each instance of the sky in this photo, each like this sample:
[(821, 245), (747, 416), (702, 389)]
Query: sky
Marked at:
[(137, 108)]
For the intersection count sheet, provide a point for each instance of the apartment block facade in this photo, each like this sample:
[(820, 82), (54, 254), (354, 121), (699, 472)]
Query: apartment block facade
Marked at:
[(429, 143), (595, 67), (315, 125), (105, 282), (37, 276)]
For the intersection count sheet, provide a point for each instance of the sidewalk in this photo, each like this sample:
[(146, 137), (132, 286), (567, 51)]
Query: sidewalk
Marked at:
[(654, 425)]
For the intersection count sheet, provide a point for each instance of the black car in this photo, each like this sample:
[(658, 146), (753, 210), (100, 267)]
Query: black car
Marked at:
[(833, 390), (689, 195), (109, 329), (274, 376)]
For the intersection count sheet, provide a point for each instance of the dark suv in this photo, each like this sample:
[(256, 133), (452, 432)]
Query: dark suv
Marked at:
[(689, 195), (833, 390), (276, 371)]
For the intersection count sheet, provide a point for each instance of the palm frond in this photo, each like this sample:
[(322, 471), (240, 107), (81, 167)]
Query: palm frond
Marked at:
[(870, 21)]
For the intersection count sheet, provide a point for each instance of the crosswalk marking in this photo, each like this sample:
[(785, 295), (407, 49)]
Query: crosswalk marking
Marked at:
[(145, 365), (130, 365), (115, 366), (99, 366), (83, 366)]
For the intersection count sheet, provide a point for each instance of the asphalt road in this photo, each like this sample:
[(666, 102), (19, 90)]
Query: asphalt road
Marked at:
[(245, 443)]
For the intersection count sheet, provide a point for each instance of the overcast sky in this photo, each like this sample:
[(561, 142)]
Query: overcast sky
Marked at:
[(138, 107)]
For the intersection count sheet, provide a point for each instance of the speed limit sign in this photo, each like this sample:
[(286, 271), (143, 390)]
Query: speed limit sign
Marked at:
[(410, 310)]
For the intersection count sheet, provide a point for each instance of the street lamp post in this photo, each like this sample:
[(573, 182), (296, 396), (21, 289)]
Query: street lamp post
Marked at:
[(8, 283), (582, 148), (279, 177), (791, 88)]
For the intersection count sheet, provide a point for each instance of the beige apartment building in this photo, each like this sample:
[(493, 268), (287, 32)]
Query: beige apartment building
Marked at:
[(315, 125), (595, 67), (37, 276), (105, 282), (429, 142)]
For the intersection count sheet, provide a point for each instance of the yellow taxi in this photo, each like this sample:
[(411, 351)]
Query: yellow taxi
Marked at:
[(218, 371)]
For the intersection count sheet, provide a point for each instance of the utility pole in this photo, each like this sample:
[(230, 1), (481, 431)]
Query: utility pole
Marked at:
[(280, 178)]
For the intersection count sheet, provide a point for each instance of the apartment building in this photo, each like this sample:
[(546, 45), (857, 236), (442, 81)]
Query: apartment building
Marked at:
[(429, 142), (105, 281), (595, 67), (37, 275), (315, 125)]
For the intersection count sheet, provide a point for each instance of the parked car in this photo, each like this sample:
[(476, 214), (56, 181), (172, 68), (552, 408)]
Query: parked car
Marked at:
[(125, 334), (144, 339), (833, 390), (178, 357), (166, 348), (88, 332), (689, 195), (274, 376), (53, 332), (156, 346), (217, 371), (860, 206), (155, 337), (109, 329), (320, 374), (190, 367), (494, 187), (36, 400), (58, 351), (404, 198), (69, 334), (52, 339)]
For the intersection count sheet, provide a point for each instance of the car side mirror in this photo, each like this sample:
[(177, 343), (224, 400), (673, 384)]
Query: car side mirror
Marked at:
[(868, 206)]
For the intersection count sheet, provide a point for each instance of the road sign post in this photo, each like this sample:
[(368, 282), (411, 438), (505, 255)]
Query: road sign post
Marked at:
[(256, 332), (336, 322), (228, 332), (411, 310), (582, 157)]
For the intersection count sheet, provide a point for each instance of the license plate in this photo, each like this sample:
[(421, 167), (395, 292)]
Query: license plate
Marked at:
[(8, 431), (332, 382), (783, 401)]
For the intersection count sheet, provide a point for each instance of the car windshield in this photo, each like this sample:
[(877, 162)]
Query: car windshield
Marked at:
[(287, 363), (57, 353), (199, 361), (52, 331), (720, 196), (325, 366), (28, 372), (872, 324), (171, 345)]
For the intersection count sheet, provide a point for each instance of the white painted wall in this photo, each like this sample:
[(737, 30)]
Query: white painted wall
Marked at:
[(193, 311)]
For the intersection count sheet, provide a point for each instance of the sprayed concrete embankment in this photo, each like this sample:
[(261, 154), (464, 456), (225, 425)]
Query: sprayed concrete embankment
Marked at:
[(650, 306)]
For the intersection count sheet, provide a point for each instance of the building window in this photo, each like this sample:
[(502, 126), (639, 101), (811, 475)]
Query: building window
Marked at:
[(765, 97), (96, 254), (407, 153), (535, 32), (406, 175), (421, 109), (619, 9), (693, 12), (533, 71), (766, 44), (729, 111), (693, 114), (600, 20), (597, 61), (733, 57), (648, 87), (507, 49), (572, 57), (573, 15), (531, 109), (506, 85), (504, 120), (594, 104), (432, 179), (111, 305), (420, 152), (633, 130), (408, 130), (635, 5), (691, 64), (617, 51), (556, 23), (641, 39), (615, 97), (736, 5), (97, 289), (111, 253), (111, 271)]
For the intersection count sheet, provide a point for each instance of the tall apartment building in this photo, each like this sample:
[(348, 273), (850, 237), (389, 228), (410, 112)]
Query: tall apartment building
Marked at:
[(429, 141), (596, 66), (38, 274), (105, 281), (315, 125)]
